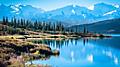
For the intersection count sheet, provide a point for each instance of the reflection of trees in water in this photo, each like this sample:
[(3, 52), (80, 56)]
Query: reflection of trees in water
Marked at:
[(56, 43), (60, 43), (85, 40), (89, 39)]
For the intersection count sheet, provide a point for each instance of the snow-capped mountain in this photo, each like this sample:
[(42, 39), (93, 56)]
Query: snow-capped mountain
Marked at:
[(5, 11), (102, 8), (19, 11), (72, 14)]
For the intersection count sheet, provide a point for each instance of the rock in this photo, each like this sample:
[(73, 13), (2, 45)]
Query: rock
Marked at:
[(55, 52)]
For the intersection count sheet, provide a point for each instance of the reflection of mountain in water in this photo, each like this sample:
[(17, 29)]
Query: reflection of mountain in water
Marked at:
[(84, 52)]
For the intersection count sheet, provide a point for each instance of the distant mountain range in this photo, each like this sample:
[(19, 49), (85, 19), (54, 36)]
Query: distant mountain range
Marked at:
[(107, 26), (19, 11), (71, 14)]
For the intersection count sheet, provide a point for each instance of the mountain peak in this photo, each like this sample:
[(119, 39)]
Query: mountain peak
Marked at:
[(74, 5), (102, 9), (91, 7), (2, 5), (103, 5), (73, 13), (16, 9), (18, 5)]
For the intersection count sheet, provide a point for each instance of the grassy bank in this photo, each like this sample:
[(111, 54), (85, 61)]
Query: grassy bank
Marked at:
[(15, 51)]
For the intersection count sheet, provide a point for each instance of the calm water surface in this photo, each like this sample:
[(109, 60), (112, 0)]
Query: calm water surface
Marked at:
[(85, 53)]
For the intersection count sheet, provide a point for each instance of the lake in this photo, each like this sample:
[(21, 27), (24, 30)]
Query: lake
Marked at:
[(85, 52)]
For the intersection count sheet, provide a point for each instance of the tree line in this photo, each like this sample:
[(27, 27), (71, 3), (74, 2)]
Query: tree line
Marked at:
[(17, 26)]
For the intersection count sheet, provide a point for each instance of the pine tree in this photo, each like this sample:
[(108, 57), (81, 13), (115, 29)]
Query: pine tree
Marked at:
[(36, 25), (15, 22), (4, 20), (18, 23), (12, 20), (84, 31), (27, 24), (21, 23)]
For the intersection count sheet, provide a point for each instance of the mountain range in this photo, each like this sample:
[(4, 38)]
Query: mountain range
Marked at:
[(71, 14)]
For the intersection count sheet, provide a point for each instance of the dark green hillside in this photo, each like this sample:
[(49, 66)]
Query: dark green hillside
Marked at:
[(107, 26)]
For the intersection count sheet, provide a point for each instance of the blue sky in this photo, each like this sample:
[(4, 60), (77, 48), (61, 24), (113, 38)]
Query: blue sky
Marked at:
[(54, 4)]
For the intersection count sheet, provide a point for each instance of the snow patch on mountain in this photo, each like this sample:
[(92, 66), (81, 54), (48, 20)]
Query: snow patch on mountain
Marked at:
[(84, 16), (109, 12), (91, 7), (18, 5), (18, 13), (74, 6), (73, 11), (26, 5), (15, 9), (116, 5)]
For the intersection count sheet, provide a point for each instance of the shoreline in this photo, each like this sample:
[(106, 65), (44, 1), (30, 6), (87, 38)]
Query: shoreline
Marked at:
[(21, 47), (16, 52)]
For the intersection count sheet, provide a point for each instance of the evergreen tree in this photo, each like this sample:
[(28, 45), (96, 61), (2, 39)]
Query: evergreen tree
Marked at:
[(18, 23), (36, 25), (6, 20), (3, 19), (27, 24), (15, 22), (11, 23), (21, 23)]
